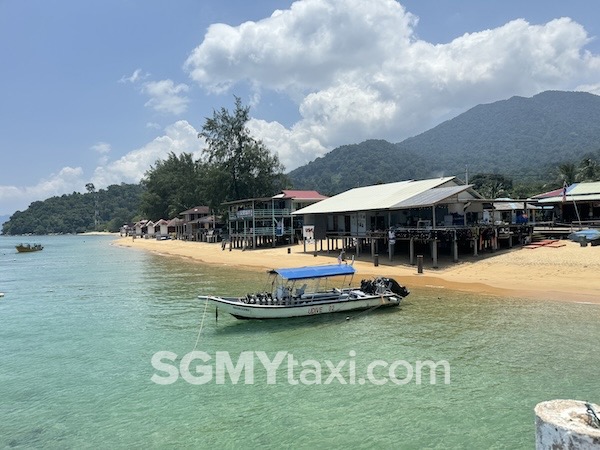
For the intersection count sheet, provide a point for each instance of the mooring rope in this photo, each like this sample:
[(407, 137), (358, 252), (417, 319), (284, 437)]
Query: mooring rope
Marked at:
[(201, 323)]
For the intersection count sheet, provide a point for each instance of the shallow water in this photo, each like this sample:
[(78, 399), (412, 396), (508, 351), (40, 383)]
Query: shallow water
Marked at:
[(81, 320)]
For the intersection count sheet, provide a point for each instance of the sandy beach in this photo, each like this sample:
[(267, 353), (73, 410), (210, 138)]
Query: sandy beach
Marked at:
[(564, 273)]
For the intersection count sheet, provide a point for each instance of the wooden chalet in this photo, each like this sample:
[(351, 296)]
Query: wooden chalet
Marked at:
[(268, 221), (161, 228), (192, 229)]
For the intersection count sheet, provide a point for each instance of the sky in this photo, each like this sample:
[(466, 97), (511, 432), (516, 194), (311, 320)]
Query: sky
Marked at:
[(97, 91)]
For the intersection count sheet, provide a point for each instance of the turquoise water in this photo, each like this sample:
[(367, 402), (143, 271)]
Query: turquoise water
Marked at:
[(81, 320)]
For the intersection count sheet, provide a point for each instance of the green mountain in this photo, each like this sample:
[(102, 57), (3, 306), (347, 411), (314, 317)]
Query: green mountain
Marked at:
[(521, 138), (350, 166), (76, 212)]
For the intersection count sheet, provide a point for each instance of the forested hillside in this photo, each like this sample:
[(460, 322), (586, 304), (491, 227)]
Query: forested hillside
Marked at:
[(525, 139), (350, 166), (521, 136), (76, 213)]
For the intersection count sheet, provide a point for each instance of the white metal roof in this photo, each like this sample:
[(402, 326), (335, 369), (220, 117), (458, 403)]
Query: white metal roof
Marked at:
[(511, 205), (430, 197), (585, 189), (580, 192), (385, 196), (572, 198)]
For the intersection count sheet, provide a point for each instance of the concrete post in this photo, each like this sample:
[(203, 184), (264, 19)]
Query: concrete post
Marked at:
[(455, 248), (419, 263), (566, 424)]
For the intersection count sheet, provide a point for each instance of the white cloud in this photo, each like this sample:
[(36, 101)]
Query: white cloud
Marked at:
[(166, 97), (356, 70), (101, 147), (592, 88), (13, 198), (136, 76), (178, 138)]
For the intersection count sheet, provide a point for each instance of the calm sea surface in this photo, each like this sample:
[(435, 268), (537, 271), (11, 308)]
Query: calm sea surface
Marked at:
[(81, 320)]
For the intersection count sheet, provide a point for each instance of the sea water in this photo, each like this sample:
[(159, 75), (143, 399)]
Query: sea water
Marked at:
[(81, 321)]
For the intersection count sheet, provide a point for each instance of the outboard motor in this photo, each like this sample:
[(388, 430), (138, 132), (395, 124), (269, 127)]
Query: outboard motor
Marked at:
[(396, 287)]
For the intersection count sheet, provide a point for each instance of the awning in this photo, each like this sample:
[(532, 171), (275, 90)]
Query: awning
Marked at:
[(301, 273)]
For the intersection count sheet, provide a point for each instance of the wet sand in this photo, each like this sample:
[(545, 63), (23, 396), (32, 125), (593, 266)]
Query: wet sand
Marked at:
[(565, 273)]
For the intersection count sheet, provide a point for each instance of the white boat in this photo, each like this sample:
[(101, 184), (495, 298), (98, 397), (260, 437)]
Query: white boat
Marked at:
[(289, 294)]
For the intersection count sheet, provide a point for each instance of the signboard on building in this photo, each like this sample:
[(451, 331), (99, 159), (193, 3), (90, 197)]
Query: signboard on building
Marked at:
[(308, 234)]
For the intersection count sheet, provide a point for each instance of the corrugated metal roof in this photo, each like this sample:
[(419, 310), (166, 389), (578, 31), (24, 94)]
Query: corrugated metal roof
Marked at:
[(300, 195), (585, 189), (578, 192), (430, 197), (197, 210), (572, 198), (376, 197), (549, 194), (511, 206)]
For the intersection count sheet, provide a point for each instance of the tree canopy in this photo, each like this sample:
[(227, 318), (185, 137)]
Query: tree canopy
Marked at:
[(233, 166), (75, 213), (171, 186), (237, 165)]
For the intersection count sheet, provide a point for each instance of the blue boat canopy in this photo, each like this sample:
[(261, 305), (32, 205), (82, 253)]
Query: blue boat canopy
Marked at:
[(301, 273), (584, 235)]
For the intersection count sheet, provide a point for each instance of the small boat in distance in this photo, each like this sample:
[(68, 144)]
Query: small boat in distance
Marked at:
[(288, 294), (27, 248)]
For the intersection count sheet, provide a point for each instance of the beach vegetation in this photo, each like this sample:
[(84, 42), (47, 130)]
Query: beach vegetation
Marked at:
[(237, 165), (170, 186)]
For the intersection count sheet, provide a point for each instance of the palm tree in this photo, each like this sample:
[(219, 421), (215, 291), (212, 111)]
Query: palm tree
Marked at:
[(92, 190), (588, 170), (567, 173)]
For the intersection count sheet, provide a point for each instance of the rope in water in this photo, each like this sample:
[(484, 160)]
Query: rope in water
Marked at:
[(201, 324)]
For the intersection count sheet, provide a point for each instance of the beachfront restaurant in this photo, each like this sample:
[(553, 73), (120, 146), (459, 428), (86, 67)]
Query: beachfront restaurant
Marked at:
[(268, 221), (577, 204), (424, 216)]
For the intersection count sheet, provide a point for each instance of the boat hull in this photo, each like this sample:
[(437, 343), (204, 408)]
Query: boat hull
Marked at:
[(241, 310), (28, 249)]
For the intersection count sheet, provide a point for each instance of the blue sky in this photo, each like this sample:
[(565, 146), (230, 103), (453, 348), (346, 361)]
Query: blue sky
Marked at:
[(97, 91)]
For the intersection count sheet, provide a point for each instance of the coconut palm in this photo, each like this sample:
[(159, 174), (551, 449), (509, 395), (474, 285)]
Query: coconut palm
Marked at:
[(567, 173), (588, 170)]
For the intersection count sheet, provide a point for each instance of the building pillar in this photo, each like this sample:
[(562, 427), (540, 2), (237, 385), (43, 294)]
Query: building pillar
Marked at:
[(455, 248)]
